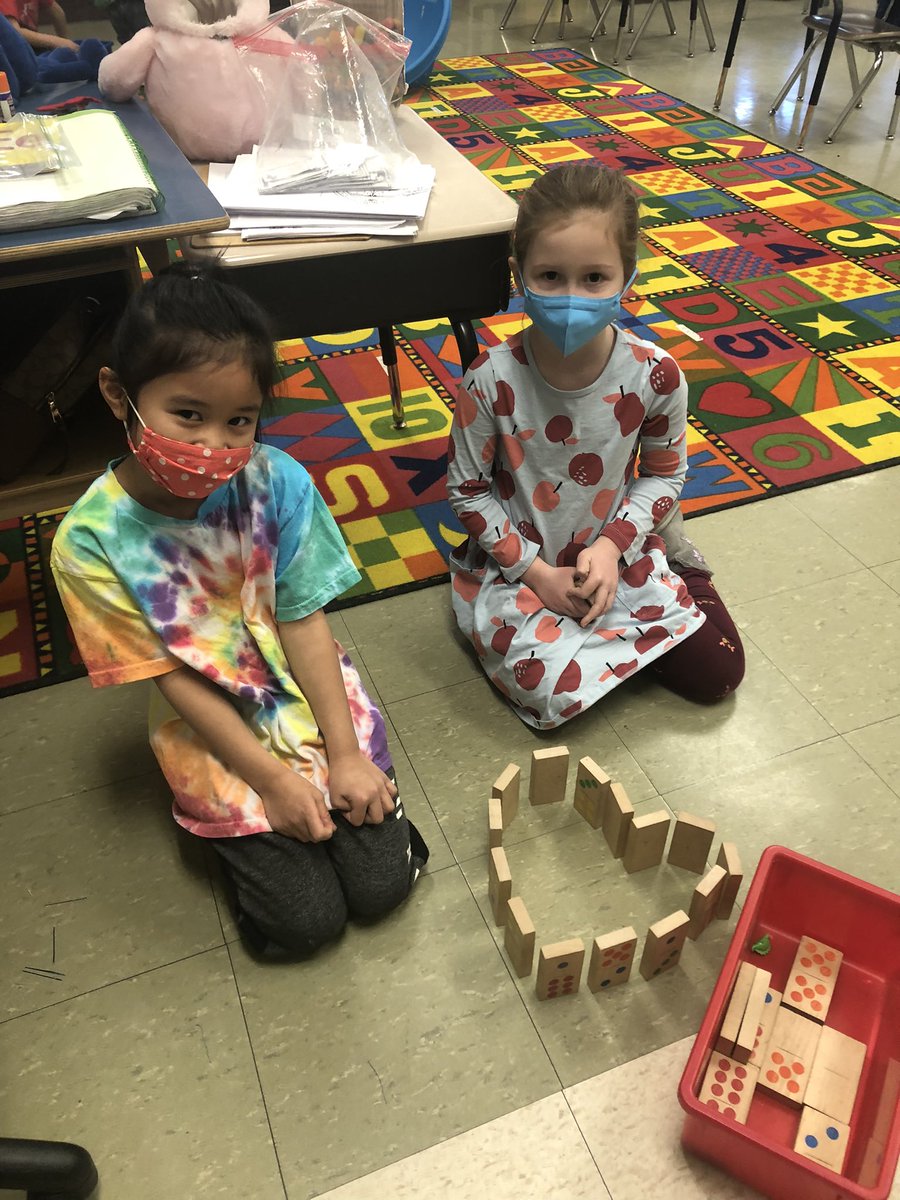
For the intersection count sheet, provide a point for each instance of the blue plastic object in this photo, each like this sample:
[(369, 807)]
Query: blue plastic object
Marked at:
[(425, 23)]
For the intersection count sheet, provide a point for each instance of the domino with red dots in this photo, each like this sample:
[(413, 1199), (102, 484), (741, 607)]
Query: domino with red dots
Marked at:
[(764, 1026), (612, 957), (811, 980), (789, 1055), (728, 1087), (559, 969), (822, 1139)]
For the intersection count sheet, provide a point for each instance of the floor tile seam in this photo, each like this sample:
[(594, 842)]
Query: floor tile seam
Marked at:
[(587, 1144), (863, 570), (866, 763), (834, 736), (512, 979), (113, 983), (792, 500), (83, 792), (256, 1071)]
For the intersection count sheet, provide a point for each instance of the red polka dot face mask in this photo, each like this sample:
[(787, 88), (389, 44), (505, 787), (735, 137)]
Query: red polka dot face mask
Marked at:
[(187, 471)]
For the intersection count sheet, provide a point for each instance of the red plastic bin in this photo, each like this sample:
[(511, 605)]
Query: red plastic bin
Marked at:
[(792, 896)]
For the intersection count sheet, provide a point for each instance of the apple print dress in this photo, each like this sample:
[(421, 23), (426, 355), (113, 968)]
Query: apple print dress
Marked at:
[(533, 470)]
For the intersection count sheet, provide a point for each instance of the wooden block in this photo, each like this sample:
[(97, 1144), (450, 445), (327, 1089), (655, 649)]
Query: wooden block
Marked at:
[(811, 979), (737, 1005), (728, 1087), (617, 816), (499, 884), (518, 937), (663, 944), (495, 822), (612, 957), (645, 841), (822, 1139), (506, 789), (705, 901), (756, 1002), (730, 860), (789, 1056), (835, 1074), (591, 792), (691, 840), (549, 772), (559, 969), (764, 1026)]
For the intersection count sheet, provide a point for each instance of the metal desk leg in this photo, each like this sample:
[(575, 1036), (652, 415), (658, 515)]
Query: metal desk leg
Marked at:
[(800, 67), (540, 24), (466, 342), (623, 21), (837, 14), (895, 111), (729, 51), (707, 27), (389, 358)]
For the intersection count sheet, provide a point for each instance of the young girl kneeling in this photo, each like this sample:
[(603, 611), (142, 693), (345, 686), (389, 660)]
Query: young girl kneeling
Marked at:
[(202, 560), (576, 572)]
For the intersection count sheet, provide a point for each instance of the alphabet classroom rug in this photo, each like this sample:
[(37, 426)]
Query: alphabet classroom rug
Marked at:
[(774, 282)]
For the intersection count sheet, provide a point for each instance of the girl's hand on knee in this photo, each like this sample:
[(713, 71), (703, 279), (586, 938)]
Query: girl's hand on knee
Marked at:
[(297, 809), (360, 790)]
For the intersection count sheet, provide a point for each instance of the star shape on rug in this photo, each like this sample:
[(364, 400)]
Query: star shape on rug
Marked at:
[(652, 210), (441, 78), (524, 132), (824, 326), (748, 227)]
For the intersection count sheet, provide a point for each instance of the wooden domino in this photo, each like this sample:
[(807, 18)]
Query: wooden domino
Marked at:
[(822, 1139), (811, 979), (663, 944), (764, 1026), (705, 901), (559, 969), (506, 790), (645, 841), (728, 1087), (518, 937), (495, 822), (499, 884), (691, 840), (737, 1005), (789, 1055), (730, 860), (549, 772), (617, 816), (834, 1078), (612, 957), (756, 1002), (591, 792)]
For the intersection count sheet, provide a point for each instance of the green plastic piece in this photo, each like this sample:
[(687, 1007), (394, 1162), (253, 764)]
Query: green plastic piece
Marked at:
[(763, 946)]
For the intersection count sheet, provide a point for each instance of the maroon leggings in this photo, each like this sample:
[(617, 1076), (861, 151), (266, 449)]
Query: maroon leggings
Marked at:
[(708, 665)]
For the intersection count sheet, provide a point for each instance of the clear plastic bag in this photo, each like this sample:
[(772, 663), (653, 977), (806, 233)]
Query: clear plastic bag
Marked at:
[(29, 145), (327, 74)]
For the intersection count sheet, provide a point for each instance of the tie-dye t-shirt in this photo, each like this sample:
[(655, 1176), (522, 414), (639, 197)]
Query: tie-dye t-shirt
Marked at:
[(146, 593)]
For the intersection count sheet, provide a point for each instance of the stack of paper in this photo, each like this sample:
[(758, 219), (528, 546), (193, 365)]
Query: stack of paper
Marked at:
[(102, 176), (377, 212)]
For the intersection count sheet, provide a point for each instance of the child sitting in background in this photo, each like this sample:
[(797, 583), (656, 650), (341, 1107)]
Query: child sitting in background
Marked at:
[(26, 15)]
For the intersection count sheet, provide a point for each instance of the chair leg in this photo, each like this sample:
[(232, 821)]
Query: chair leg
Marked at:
[(540, 24), (389, 358), (623, 19), (508, 13), (668, 12), (739, 10), (857, 95), (707, 26), (651, 9), (801, 66), (565, 14), (599, 19), (600, 26), (466, 343), (851, 68), (895, 112)]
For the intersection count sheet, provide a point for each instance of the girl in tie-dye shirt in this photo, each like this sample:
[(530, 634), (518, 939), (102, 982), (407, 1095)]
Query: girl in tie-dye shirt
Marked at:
[(202, 560)]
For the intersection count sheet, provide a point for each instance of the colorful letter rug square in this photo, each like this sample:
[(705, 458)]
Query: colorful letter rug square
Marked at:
[(775, 283)]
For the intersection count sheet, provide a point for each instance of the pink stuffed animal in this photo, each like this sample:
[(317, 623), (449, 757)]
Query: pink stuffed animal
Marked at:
[(196, 83)]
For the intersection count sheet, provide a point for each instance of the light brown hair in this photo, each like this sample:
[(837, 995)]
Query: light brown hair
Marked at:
[(559, 194)]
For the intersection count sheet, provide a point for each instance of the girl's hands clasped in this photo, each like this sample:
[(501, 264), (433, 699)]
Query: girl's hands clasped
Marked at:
[(360, 789), (296, 808), (555, 588), (596, 578)]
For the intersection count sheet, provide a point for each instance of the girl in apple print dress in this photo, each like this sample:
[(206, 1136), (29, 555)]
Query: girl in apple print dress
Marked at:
[(575, 573)]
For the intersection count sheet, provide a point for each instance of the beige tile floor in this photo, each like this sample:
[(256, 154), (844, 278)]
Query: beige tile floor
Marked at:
[(407, 1060)]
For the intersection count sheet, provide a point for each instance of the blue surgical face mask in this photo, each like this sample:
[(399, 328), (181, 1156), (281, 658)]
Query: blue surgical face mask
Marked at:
[(571, 321)]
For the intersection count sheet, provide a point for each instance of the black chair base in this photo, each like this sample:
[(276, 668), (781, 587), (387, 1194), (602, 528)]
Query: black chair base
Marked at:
[(46, 1170)]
